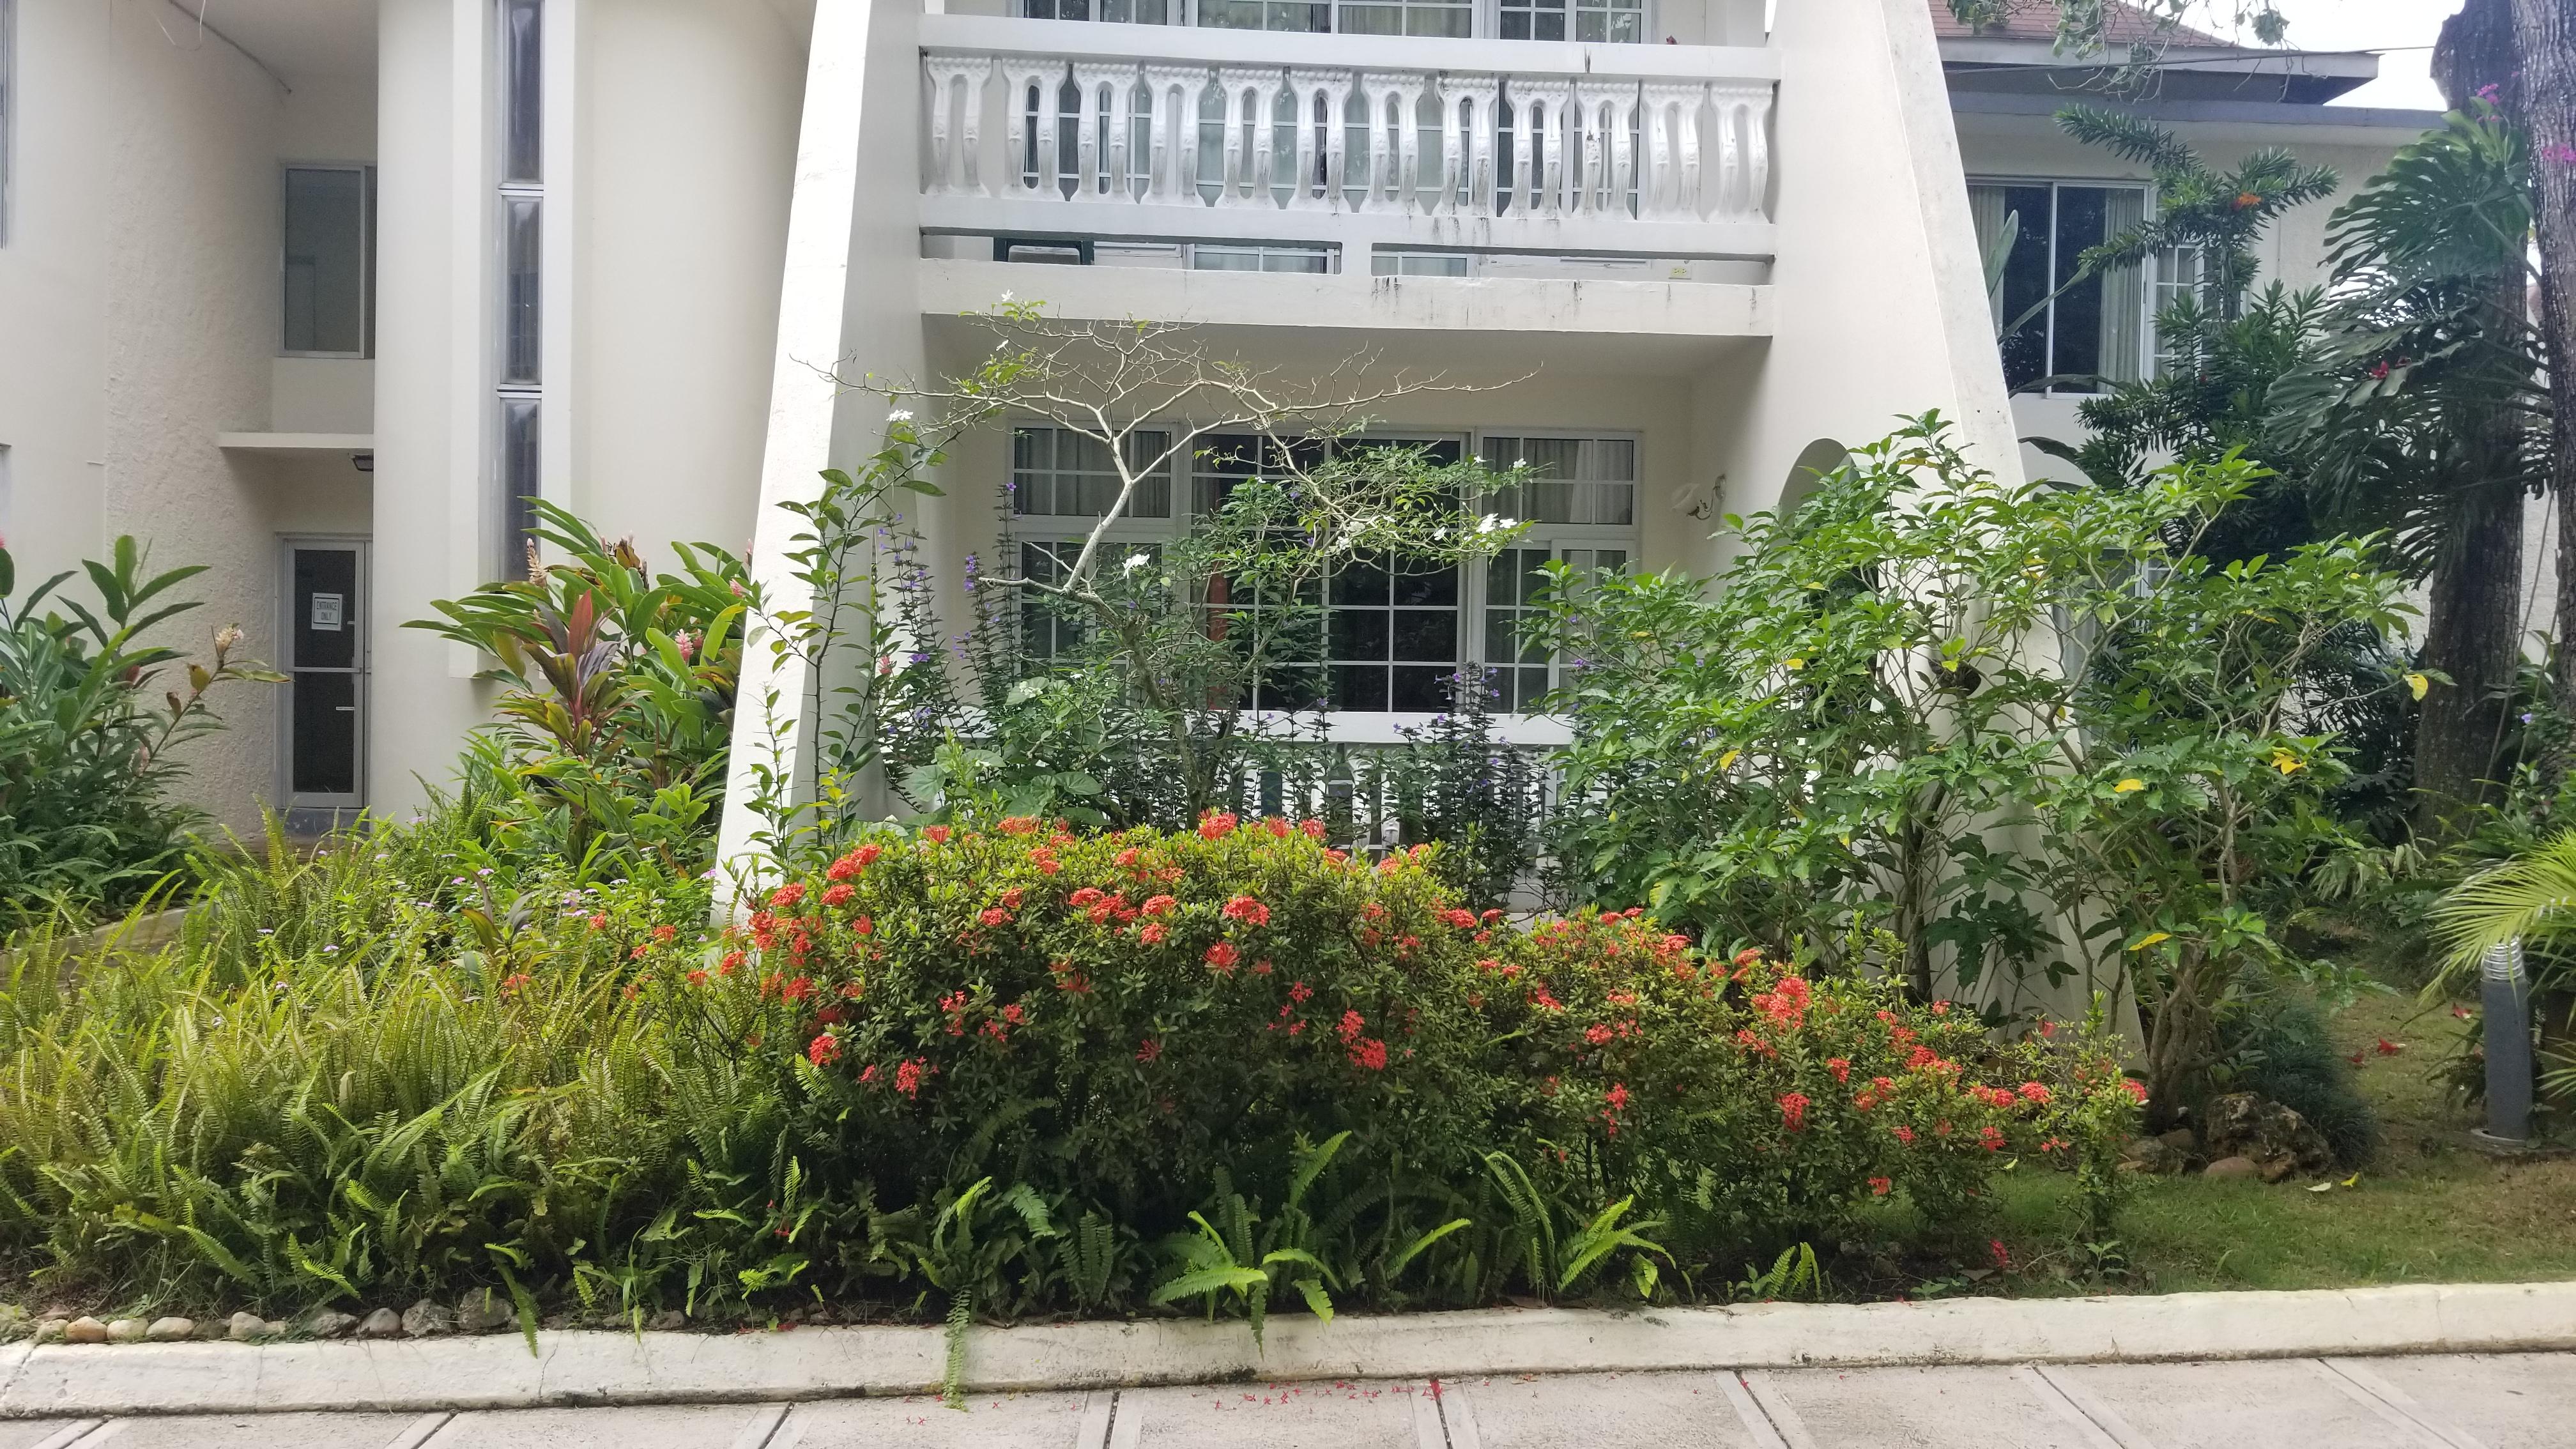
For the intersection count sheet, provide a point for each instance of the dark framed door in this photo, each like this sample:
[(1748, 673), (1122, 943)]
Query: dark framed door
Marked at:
[(325, 630)]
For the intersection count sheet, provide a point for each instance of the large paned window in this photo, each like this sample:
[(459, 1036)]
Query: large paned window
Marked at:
[(1376, 634), (1594, 22), (2058, 332)]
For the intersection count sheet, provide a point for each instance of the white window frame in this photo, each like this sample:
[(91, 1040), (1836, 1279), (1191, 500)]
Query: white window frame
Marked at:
[(8, 113), (2147, 343), (366, 173), (1484, 21), (1366, 726)]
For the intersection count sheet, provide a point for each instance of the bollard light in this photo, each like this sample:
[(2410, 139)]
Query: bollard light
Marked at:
[(2507, 997)]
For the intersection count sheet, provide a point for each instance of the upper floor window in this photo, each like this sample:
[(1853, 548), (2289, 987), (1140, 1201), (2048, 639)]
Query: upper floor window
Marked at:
[(326, 286), (1594, 22), (1377, 634), (1591, 21), (2061, 331)]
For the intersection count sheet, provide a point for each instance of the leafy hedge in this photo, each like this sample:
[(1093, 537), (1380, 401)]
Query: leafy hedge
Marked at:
[(1003, 1070)]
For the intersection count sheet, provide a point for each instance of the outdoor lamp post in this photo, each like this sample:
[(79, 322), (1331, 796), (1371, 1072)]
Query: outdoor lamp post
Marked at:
[(2507, 998)]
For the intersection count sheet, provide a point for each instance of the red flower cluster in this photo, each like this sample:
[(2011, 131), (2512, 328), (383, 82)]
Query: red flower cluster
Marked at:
[(1245, 909)]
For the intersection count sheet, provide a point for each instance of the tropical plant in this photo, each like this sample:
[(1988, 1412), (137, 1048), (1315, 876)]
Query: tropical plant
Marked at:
[(2420, 413), (2027, 731), (87, 758), (617, 688)]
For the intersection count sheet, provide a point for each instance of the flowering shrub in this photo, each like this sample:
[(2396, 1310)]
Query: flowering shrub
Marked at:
[(1128, 1017)]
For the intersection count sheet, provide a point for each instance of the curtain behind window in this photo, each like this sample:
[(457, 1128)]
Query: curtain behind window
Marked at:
[(2124, 293), (1987, 207)]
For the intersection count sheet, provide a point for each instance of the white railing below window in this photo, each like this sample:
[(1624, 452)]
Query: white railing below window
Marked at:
[(1188, 122)]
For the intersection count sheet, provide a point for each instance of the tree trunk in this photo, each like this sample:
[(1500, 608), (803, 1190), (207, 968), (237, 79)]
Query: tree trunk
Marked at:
[(2544, 33), (2472, 620)]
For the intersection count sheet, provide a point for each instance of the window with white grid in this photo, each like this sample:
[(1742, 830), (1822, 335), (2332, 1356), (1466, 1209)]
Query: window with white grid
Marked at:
[(1376, 634)]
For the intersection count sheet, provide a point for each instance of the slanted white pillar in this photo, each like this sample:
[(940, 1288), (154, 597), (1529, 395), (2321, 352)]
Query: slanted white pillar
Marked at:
[(847, 300)]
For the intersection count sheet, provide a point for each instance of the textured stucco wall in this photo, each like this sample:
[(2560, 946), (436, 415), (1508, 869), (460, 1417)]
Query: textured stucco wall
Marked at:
[(189, 326), (688, 137)]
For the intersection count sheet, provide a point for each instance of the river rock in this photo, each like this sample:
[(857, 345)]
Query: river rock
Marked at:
[(383, 1323), (170, 1330), (484, 1311), (2232, 1167), (427, 1319), (326, 1323), (51, 1330), (85, 1329), (126, 1330), (246, 1327)]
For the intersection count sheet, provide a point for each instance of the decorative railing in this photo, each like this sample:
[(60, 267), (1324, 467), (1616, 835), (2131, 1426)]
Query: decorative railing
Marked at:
[(1188, 120)]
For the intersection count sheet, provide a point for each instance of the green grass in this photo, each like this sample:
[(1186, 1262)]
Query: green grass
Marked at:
[(2428, 1209)]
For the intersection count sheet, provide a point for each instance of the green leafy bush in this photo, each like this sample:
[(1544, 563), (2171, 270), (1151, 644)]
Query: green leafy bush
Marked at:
[(87, 761), (2031, 732), (994, 1071)]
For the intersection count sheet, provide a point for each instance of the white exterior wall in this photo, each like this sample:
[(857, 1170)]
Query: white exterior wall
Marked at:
[(1880, 302), (140, 284), (688, 126), (669, 135)]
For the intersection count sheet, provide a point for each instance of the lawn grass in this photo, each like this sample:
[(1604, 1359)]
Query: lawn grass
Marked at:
[(2428, 1208)]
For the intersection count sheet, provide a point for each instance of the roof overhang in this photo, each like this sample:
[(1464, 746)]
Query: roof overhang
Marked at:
[(2362, 125)]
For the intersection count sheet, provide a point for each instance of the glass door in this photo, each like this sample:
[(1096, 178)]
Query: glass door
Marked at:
[(326, 665)]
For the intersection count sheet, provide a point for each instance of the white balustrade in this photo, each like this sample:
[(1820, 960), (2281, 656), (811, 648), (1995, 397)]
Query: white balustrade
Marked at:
[(1153, 132)]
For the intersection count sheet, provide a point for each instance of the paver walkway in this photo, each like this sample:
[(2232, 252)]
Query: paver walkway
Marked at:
[(2511, 1401)]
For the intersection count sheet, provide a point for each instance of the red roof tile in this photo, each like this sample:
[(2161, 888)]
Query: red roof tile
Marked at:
[(2037, 20)]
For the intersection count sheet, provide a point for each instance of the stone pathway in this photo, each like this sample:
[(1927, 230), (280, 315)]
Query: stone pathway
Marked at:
[(2510, 1401)]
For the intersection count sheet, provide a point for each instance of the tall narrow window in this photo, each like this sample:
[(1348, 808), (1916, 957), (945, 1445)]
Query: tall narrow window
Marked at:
[(324, 283), (8, 104), (519, 333)]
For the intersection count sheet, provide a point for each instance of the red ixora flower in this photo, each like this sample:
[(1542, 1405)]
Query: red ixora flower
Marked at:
[(936, 835), (1153, 933), (1992, 1137), (835, 895), (1216, 825), (995, 916), (1793, 1110), (1311, 829), (797, 990), (1158, 905), (823, 1050), (1878, 1186), (1839, 1067), (907, 1078), (1149, 1049), (2034, 1092), (1370, 1053), (1221, 955), (1352, 1025), (1247, 910), (1464, 920), (1085, 898), (2136, 1089), (788, 894)]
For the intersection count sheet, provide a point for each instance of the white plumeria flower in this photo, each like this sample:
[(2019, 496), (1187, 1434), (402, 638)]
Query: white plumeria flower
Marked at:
[(900, 415), (1006, 296), (1137, 561)]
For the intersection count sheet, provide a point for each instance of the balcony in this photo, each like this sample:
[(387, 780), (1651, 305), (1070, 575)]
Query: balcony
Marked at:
[(1362, 143)]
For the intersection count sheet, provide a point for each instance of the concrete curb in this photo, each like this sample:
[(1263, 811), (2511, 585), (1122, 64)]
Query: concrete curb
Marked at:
[(594, 1368)]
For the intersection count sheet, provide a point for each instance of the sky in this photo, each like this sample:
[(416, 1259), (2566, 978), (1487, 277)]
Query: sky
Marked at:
[(2402, 30)]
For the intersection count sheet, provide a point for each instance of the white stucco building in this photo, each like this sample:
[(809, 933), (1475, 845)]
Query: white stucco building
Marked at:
[(310, 291)]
